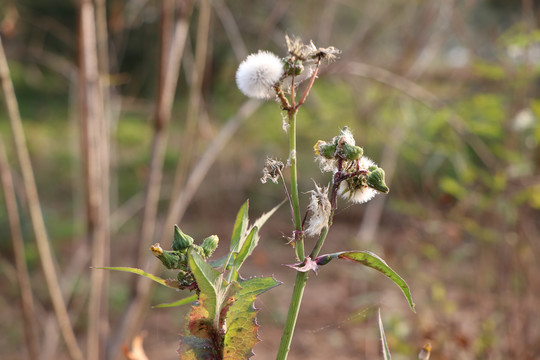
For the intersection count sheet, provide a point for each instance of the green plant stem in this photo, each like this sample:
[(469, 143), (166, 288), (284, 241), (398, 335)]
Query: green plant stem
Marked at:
[(301, 277), (294, 308), (299, 241), (319, 243)]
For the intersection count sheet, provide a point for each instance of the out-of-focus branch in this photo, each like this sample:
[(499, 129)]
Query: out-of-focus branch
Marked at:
[(94, 140), (22, 277), (195, 96), (36, 214), (231, 28), (171, 52), (407, 87)]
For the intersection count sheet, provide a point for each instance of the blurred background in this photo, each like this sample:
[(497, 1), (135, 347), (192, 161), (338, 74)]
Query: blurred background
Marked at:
[(133, 122)]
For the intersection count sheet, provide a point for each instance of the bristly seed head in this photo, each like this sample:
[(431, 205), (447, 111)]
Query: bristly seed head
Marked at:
[(272, 170), (320, 209)]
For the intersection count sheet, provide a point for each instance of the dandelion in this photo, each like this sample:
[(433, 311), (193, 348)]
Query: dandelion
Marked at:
[(320, 208), (258, 73)]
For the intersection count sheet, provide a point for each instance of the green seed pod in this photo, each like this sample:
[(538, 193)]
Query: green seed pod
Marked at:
[(170, 259), (181, 241), (375, 180), (209, 245), (352, 152), (324, 149)]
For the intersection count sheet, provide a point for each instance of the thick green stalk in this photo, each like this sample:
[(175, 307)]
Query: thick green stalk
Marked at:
[(294, 308), (301, 277), (299, 240)]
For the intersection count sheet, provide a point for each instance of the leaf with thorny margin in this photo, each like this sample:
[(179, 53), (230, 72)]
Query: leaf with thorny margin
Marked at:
[(373, 261), (180, 302), (142, 273), (203, 338), (385, 349), (241, 335)]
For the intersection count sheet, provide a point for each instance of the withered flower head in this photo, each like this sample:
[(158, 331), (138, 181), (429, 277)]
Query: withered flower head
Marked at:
[(272, 170)]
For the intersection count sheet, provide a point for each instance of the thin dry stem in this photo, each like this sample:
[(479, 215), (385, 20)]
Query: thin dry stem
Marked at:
[(170, 59), (36, 215), (190, 133), (23, 279), (95, 142)]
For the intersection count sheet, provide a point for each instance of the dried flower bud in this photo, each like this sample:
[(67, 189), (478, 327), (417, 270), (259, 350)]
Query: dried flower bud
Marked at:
[(272, 170), (320, 208)]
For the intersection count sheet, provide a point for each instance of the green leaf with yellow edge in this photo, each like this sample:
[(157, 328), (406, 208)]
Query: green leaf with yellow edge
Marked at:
[(142, 273), (241, 335), (180, 302), (371, 260)]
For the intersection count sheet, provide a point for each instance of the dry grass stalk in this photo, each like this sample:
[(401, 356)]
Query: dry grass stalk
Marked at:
[(23, 279), (94, 133), (36, 215)]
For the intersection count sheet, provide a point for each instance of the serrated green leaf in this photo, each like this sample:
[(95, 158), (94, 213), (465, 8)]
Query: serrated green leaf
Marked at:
[(180, 302), (241, 335), (141, 273), (240, 227), (385, 349), (371, 260)]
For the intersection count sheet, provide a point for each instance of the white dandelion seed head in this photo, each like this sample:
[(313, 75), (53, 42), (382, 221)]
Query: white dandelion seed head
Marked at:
[(258, 73)]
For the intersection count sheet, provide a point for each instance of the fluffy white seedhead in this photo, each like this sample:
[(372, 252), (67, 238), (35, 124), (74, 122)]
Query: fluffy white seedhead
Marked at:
[(365, 163), (258, 73), (357, 195), (353, 190)]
